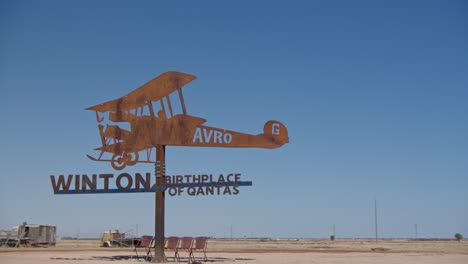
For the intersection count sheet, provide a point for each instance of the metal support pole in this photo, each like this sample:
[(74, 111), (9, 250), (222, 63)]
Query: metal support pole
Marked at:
[(160, 171)]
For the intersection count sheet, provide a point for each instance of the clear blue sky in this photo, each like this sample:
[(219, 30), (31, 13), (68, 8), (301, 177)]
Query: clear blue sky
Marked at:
[(374, 94)]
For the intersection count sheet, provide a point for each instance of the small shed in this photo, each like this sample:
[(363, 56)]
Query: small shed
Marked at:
[(37, 234)]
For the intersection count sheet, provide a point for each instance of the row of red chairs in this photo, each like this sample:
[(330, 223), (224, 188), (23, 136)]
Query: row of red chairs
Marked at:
[(177, 244)]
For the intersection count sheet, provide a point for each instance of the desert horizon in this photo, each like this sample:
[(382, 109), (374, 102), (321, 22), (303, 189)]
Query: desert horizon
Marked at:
[(255, 251)]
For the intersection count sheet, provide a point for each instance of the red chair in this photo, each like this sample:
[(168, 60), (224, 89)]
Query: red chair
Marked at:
[(145, 242), (200, 244), (171, 244), (185, 244)]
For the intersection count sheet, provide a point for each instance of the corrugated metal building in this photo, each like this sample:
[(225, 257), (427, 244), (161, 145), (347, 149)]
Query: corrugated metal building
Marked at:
[(37, 234)]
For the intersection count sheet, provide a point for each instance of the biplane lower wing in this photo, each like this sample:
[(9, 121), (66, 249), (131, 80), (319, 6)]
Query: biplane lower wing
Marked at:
[(122, 155), (109, 160)]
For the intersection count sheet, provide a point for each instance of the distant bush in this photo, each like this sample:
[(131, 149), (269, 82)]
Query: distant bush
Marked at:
[(69, 238), (458, 237), (332, 238)]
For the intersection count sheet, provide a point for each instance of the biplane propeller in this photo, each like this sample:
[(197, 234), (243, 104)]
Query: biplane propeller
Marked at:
[(149, 112)]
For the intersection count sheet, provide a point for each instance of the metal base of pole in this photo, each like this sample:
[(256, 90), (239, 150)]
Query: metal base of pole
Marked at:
[(159, 259)]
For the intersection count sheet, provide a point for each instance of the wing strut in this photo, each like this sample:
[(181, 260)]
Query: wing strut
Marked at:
[(182, 100)]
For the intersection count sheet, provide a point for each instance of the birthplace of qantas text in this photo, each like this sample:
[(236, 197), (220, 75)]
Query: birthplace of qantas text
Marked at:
[(208, 184)]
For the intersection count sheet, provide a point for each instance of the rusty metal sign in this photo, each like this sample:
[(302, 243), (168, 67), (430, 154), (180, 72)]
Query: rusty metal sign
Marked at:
[(154, 116), (152, 120)]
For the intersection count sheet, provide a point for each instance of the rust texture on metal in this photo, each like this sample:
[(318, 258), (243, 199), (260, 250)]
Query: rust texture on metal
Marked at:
[(153, 121)]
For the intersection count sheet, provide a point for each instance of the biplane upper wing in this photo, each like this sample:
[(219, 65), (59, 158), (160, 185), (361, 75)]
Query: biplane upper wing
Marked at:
[(153, 90)]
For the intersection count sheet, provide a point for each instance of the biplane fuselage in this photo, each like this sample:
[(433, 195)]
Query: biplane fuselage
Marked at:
[(166, 128)]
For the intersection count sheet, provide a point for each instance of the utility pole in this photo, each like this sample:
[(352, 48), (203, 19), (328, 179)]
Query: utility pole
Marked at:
[(416, 231), (376, 224)]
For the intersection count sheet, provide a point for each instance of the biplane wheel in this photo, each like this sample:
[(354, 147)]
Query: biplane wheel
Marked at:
[(118, 161), (132, 158)]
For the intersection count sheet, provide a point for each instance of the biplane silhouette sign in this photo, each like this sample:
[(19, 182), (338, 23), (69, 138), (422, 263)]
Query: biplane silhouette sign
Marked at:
[(148, 118), (148, 113)]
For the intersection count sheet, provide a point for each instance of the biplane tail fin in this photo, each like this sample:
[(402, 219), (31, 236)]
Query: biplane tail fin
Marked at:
[(276, 132)]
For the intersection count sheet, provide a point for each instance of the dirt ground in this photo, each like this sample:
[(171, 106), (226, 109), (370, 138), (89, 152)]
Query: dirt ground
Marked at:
[(254, 251)]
